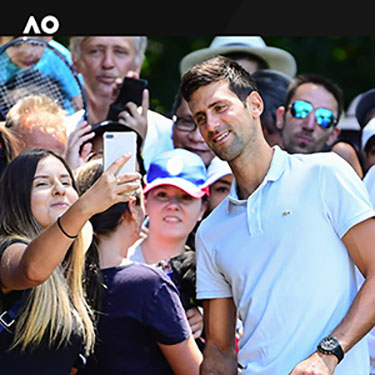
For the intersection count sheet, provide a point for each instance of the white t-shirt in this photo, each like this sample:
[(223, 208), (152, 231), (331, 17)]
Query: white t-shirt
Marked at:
[(369, 181), (135, 252), (158, 137), (280, 256)]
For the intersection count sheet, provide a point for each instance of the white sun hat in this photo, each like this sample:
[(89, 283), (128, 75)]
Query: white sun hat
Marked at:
[(276, 58), (216, 170), (368, 132)]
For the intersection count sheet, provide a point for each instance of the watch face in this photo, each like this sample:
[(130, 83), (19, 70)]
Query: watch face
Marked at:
[(329, 343)]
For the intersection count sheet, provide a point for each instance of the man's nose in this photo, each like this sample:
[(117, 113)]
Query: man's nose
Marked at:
[(108, 61), (309, 122), (212, 122)]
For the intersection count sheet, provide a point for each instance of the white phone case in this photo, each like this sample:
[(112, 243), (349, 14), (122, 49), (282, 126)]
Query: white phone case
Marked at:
[(116, 144)]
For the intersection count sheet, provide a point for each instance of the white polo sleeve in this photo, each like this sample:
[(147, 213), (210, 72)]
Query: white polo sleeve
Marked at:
[(211, 283), (344, 194)]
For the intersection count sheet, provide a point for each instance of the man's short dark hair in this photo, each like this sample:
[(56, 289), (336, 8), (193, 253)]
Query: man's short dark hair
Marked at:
[(261, 63), (217, 69)]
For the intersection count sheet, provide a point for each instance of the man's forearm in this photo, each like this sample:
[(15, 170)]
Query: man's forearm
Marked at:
[(360, 317), (218, 362), (356, 323)]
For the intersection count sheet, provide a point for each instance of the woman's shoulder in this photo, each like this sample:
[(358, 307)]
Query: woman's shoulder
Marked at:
[(136, 273), (6, 242)]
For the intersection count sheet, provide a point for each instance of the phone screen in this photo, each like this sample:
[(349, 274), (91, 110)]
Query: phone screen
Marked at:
[(116, 144)]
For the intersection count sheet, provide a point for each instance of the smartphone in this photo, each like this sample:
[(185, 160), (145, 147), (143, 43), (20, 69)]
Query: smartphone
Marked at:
[(131, 91), (116, 144)]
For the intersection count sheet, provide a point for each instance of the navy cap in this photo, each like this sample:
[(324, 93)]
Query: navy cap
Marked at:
[(365, 104)]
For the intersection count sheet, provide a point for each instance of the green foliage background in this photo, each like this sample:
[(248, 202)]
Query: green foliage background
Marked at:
[(347, 60)]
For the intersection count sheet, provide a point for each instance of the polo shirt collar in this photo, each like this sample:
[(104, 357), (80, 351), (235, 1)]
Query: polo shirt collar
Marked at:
[(277, 168)]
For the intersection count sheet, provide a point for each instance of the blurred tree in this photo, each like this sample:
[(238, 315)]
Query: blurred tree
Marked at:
[(347, 60)]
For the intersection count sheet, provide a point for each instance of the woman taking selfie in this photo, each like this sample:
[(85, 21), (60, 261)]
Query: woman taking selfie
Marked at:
[(46, 324)]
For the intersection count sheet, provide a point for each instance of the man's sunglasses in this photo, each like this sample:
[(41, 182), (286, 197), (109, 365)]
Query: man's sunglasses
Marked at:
[(323, 116)]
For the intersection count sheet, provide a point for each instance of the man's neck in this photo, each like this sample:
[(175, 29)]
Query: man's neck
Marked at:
[(250, 169), (98, 108)]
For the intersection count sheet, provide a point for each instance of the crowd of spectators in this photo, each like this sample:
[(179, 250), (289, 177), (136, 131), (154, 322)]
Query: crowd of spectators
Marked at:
[(98, 270)]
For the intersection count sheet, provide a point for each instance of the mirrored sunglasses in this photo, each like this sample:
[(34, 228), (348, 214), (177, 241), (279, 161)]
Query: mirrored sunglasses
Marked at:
[(324, 117)]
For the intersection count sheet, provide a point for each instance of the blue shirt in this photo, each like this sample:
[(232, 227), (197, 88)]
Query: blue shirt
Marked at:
[(141, 307)]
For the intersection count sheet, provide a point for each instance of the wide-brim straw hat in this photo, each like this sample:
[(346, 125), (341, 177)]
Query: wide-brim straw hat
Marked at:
[(276, 58)]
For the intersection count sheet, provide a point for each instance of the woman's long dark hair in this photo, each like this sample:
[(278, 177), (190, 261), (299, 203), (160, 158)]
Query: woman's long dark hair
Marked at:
[(103, 222)]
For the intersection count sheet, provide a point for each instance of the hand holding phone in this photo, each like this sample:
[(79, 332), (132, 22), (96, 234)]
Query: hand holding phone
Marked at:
[(131, 91)]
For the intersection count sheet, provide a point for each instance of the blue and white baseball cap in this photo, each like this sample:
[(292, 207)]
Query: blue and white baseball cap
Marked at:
[(180, 168)]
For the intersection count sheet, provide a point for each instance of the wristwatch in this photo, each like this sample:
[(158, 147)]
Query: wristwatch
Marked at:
[(330, 345)]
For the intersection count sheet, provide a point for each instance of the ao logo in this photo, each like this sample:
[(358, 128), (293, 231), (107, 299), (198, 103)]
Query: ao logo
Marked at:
[(48, 25)]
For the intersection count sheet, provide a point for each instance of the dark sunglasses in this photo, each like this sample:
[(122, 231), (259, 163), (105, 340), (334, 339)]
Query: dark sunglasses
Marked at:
[(324, 117)]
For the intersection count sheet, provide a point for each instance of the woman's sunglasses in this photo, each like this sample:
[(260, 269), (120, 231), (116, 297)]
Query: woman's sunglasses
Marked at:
[(324, 117)]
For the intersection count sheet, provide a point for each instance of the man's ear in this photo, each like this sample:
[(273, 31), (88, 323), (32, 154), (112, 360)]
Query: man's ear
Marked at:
[(335, 133), (255, 103), (135, 72), (76, 65), (280, 114)]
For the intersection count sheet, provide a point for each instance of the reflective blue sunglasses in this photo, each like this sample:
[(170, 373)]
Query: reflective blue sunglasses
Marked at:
[(324, 117)]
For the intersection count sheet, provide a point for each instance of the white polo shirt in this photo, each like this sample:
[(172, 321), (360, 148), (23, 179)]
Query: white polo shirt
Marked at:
[(279, 255), (369, 181)]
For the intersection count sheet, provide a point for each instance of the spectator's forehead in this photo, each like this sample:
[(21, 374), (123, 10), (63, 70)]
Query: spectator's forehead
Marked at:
[(109, 42), (317, 95)]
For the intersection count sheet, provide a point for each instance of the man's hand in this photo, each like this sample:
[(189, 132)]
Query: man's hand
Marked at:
[(316, 364), (136, 117)]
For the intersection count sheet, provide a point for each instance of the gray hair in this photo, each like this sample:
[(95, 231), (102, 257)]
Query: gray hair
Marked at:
[(140, 44)]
